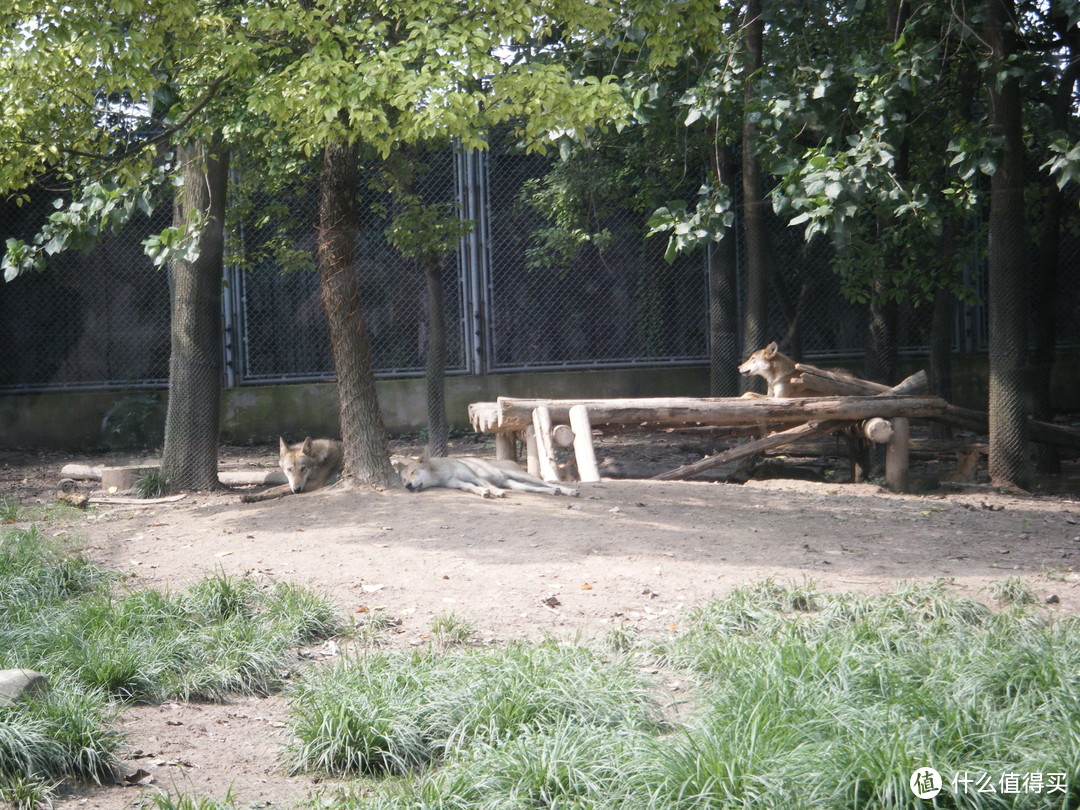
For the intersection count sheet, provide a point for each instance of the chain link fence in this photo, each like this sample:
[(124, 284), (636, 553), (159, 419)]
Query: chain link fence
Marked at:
[(100, 320)]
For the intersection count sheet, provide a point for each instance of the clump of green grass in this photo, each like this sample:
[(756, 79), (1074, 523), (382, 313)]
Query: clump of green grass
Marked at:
[(1013, 591), (9, 510), (152, 484), (60, 615), (451, 630), (388, 713)]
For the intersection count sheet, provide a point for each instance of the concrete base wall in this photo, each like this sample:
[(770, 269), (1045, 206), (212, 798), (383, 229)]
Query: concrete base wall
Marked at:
[(257, 415)]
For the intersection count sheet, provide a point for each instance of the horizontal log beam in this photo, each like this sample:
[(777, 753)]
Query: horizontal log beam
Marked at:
[(516, 414)]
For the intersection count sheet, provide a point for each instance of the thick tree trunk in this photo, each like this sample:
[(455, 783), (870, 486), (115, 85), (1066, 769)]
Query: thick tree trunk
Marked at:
[(724, 356), (1010, 388), (190, 455), (367, 454), (755, 314)]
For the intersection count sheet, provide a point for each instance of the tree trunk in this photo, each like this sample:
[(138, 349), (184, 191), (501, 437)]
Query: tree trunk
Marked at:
[(1009, 378), (367, 454), (755, 315), (723, 298), (438, 429), (1048, 460), (192, 421)]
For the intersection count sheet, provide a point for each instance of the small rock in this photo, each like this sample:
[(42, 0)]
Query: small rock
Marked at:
[(1053, 599), (16, 684)]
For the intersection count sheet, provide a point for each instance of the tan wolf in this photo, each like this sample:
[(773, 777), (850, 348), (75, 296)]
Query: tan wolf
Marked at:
[(308, 465), (486, 477), (777, 369)]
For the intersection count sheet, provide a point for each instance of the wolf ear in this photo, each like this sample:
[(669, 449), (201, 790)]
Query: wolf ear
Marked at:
[(306, 449), (424, 455), (284, 444), (771, 349)]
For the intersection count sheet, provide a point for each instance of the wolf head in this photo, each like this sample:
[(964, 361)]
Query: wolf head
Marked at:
[(416, 476), (760, 362), (298, 462)]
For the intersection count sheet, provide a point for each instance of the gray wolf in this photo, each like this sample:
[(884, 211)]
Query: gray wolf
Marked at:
[(486, 477), (308, 465), (777, 369)]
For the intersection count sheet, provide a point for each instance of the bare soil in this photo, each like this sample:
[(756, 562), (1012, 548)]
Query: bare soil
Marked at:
[(626, 554)]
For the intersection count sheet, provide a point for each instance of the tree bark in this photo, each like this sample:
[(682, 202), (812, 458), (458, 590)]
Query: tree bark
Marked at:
[(367, 454), (192, 420), (1010, 386), (755, 314)]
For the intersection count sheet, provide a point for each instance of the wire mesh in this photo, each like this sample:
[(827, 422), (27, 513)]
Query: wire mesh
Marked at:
[(100, 320), (621, 304)]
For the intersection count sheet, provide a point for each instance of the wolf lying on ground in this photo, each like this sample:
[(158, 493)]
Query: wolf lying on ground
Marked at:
[(308, 465), (486, 477)]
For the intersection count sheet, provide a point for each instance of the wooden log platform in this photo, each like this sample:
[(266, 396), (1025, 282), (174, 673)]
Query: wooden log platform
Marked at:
[(511, 414)]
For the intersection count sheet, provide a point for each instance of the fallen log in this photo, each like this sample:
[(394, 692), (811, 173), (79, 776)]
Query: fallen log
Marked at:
[(837, 383), (979, 422), (808, 430), (516, 414), (233, 478)]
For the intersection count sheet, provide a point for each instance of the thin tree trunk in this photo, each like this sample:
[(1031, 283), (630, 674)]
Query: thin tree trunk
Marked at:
[(1010, 387), (755, 314), (723, 298), (1048, 460), (367, 454), (193, 418), (438, 429)]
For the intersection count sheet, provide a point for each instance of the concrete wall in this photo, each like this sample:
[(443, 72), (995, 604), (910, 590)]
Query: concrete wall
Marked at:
[(81, 420), (91, 420)]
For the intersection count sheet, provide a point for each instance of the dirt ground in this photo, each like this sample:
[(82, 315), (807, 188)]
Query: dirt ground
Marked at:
[(625, 554)]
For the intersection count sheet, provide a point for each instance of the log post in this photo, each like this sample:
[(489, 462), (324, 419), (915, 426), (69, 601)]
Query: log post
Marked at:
[(545, 451), (563, 435), (583, 444), (896, 456), (877, 430), (532, 453), (506, 445)]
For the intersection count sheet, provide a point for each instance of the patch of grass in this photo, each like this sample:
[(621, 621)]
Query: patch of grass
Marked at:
[(1013, 591), (152, 484), (451, 630), (391, 712), (188, 802), (837, 705), (9, 510), (59, 615), (807, 700)]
